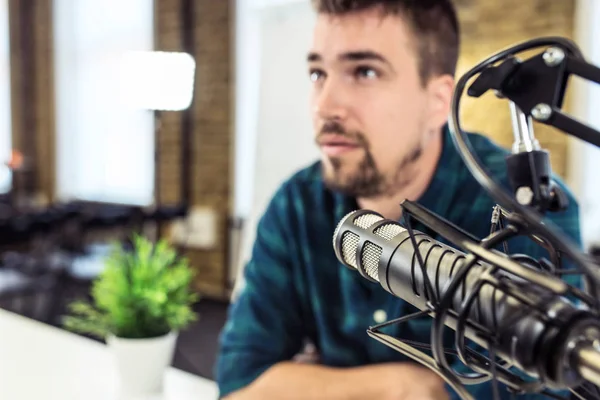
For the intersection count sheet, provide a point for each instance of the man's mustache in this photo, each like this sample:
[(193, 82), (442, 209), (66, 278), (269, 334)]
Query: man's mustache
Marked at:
[(333, 127)]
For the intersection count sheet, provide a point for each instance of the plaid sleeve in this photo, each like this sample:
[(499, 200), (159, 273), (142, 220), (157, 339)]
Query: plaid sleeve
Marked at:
[(264, 325)]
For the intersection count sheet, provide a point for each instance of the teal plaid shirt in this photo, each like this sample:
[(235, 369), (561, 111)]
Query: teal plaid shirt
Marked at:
[(295, 288)]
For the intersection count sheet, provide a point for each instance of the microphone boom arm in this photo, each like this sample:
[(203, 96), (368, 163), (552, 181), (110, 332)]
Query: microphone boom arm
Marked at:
[(537, 86), (513, 79)]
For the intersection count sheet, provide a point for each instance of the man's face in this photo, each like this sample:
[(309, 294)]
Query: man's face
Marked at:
[(371, 113)]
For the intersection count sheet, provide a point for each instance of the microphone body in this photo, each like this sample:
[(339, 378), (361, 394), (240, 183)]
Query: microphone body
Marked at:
[(541, 332)]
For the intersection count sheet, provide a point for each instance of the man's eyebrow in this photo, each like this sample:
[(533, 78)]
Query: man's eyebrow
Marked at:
[(313, 57), (359, 55), (363, 55)]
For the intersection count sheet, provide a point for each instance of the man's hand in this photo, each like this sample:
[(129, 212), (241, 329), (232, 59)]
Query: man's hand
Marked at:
[(404, 381), (391, 381)]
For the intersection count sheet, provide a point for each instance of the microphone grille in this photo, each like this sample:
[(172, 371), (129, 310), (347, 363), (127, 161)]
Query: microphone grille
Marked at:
[(349, 247), (371, 252), (386, 231), (370, 259), (389, 231), (366, 220), (350, 241)]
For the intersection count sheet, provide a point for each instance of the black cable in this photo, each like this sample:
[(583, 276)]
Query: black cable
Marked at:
[(429, 290), (504, 243), (444, 307)]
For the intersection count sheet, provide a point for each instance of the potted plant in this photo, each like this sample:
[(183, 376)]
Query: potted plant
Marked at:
[(140, 302)]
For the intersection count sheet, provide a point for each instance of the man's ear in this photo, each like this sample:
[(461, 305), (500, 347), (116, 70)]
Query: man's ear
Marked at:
[(440, 89)]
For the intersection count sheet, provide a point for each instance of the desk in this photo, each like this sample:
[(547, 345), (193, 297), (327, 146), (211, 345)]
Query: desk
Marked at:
[(41, 362)]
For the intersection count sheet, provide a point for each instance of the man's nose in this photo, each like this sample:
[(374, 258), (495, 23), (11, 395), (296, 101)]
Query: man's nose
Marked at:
[(330, 101)]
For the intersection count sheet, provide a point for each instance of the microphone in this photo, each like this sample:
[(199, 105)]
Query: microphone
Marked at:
[(527, 318)]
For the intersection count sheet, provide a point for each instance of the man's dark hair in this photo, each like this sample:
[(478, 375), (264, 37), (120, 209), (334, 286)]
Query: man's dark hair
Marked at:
[(434, 26)]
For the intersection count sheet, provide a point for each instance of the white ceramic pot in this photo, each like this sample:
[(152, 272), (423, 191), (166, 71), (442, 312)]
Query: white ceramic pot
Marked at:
[(141, 363)]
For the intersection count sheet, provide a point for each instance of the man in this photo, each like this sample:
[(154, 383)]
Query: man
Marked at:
[(382, 75)]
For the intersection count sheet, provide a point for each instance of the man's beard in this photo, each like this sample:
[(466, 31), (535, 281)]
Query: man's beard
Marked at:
[(366, 180)]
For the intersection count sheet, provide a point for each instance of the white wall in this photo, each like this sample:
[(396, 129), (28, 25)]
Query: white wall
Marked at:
[(105, 145), (273, 128), (246, 94), (585, 158)]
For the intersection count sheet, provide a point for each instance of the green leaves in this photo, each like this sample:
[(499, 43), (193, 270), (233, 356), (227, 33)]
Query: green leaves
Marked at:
[(140, 294)]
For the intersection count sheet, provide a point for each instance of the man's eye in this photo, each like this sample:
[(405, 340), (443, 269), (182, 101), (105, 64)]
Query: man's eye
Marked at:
[(366, 72), (315, 75)]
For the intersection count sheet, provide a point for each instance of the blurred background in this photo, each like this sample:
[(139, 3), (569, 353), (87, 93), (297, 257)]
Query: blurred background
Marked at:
[(179, 119)]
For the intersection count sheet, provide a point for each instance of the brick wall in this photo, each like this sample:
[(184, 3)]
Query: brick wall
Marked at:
[(32, 96), (489, 26), (168, 37), (211, 124)]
